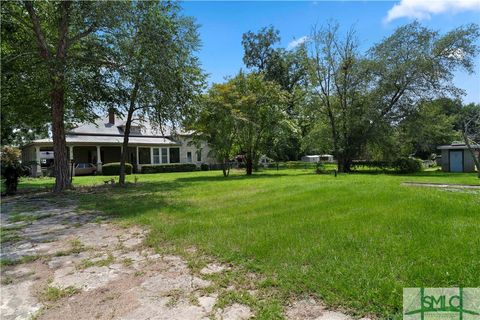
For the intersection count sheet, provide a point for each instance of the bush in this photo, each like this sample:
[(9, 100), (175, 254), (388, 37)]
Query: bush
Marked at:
[(113, 169), (12, 168), (175, 167), (320, 168), (372, 164), (407, 165), (204, 167)]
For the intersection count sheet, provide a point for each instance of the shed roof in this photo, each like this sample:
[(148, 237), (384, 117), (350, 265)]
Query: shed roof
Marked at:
[(457, 146)]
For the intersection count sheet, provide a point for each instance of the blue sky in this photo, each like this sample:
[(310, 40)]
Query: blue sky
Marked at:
[(224, 22)]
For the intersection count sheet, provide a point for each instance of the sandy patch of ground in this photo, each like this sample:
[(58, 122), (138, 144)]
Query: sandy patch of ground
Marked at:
[(311, 309), (65, 263)]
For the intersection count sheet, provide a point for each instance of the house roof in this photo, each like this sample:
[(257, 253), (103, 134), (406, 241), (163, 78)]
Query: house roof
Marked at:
[(108, 140), (102, 126), (105, 133), (458, 146)]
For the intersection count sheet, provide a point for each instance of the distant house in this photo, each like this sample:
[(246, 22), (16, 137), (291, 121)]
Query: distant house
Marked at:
[(101, 143), (316, 158), (457, 158)]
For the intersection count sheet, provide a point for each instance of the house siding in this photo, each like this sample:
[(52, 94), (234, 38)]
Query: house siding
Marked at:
[(188, 147), (468, 163), (445, 160)]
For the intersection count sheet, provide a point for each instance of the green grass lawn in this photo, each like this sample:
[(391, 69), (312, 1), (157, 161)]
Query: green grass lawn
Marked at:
[(353, 241)]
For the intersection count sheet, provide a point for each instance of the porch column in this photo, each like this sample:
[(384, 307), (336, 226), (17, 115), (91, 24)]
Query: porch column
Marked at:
[(38, 167), (71, 158), (99, 160), (151, 155), (168, 155), (137, 160)]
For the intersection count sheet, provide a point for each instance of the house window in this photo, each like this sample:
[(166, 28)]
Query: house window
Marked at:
[(199, 155), (189, 156), (156, 155), (144, 155), (174, 155), (164, 155)]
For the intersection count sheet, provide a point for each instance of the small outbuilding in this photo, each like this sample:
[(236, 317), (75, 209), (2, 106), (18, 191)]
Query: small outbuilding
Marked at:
[(457, 158), (316, 158), (311, 158)]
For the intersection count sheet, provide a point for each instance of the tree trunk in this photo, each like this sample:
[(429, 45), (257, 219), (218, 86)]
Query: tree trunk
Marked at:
[(344, 163), (472, 153), (62, 177), (225, 167), (249, 166), (347, 165), (126, 133), (124, 157), (57, 66)]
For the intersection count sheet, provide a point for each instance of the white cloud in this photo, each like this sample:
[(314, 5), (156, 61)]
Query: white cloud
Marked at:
[(423, 9), (296, 42)]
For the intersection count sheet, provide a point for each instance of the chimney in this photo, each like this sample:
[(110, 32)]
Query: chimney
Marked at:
[(111, 116)]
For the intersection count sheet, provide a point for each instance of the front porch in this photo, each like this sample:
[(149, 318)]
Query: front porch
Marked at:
[(99, 155)]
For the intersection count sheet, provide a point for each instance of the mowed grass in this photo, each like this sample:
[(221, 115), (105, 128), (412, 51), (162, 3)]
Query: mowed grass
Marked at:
[(354, 241)]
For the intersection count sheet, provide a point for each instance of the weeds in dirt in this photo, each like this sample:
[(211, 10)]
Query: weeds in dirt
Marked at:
[(127, 262), (53, 294), (13, 262), (87, 263), (76, 246), (175, 296)]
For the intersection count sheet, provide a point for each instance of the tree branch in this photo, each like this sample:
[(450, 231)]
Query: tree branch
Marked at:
[(39, 36), (63, 29), (81, 35)]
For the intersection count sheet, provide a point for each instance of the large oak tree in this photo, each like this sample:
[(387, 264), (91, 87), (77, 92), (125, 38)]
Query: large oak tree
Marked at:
[(54, 52)]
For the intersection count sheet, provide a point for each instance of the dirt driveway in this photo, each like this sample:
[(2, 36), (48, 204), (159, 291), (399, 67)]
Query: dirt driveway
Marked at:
[(60, 262)]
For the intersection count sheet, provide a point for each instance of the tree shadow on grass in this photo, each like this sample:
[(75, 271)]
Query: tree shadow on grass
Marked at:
[(221, 178), (150, 196), (132, 199)]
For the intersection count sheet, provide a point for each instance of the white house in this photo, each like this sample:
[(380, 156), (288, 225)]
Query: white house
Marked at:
[(101, 143)]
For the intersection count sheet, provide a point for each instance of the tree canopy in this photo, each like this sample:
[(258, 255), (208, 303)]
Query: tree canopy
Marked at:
[(154, 73), (53, 61), (362, 96), (249, 111)]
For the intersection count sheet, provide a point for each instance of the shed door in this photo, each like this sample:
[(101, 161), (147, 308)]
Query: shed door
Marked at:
[(456, 161)]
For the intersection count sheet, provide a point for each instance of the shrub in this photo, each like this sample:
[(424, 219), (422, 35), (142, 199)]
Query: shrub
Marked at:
[(113, 169), (407, 165), (320, 168), (372, 164), (175, 167), (12, 168), (204, 167)]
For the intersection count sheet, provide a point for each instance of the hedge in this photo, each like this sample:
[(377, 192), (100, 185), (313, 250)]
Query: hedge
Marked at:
[(176, 167), (113, 169), (400, 165), (407, 165)]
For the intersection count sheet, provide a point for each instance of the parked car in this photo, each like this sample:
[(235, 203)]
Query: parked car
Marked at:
[(84, 169)]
